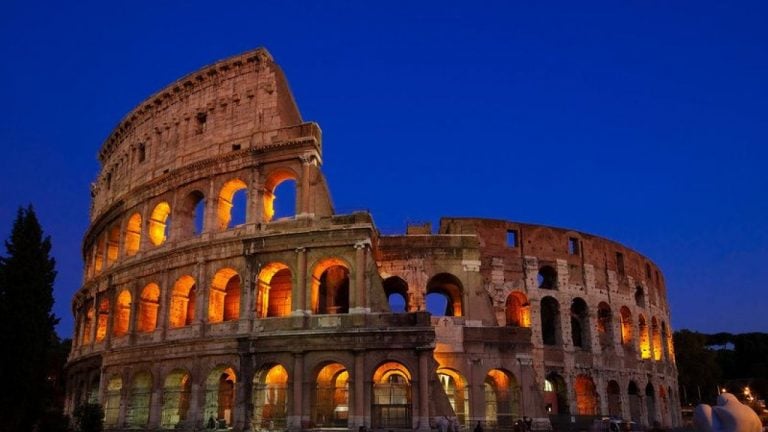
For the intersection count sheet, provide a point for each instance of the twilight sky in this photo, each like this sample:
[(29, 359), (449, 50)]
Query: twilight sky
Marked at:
[(643, 122)]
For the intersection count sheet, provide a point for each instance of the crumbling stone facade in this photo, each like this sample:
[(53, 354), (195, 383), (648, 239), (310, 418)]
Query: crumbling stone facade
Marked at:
[(190, 317)]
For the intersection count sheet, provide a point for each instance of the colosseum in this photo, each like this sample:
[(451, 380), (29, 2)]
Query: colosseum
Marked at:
[(204, 307)]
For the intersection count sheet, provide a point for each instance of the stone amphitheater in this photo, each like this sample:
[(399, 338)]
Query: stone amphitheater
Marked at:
[(202, 307)]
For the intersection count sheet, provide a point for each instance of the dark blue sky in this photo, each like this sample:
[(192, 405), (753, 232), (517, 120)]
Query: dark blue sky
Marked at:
[(644, 122)]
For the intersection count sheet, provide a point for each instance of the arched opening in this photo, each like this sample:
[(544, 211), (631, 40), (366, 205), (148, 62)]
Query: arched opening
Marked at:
[(645, 338), (159, 223), (396, 290), (518, 310), (634, 402), (331, 399), (122, 314), (550, 321), (605, 326), (579, 324), (274, 293), (650, 402), (391, 397), (137, 413), (224, 297), (330, 287), (664, 406), (90, 314), (444, 292), (614, 399), (656, 339), (176, 392), (502, 399), (270, 399), (555, 394), (626, 326), (102, 320), (232, 205), (112, 401), (182, 310), (455, 387), (287, 195), (149, 302), (93, 390), (547, 278), (133, 234), (220, 396), (98, 258), (586, 396), (640, 296), (191, 214), (113, 244), (669, 352)]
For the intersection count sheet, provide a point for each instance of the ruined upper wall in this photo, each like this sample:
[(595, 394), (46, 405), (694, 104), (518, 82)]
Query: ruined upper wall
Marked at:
[(242, 102)]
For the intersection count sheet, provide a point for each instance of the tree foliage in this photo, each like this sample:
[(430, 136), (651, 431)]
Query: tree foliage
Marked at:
[(27, 273), (88, 418), (698, 370)]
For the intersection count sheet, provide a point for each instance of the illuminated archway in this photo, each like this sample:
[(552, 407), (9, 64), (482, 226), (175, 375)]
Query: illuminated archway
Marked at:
[(137, 412), (396, 290), (159, 223), (220, 395), (586, 396), (226, 203), (656, 339), (90, 314), (518, 311), (330, 407), (669, 351), (112, 400), (550, 321), (102, 320), (330, 287), (274, 179), (122, 314), (455, 387), (98, 255), (176, 392), (502, 399), (182, 310), (645, 339), (273, 298), (133, 235), (448, 287), (149, 302), (555, 394), (270, 398), (113, 244), (626, 326), (190, 215), (391, 397), (224, 297)]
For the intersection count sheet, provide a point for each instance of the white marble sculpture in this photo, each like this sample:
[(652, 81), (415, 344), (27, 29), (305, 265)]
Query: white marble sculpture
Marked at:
[(729, 415)]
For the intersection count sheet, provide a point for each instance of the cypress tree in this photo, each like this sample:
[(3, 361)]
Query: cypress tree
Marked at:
[(27, 273)]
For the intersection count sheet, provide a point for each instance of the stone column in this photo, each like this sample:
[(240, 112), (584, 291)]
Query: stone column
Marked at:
[(135, 293), (357, 417), (164, 308), (202, 289), (253, 212), (124, 395), (358, 298), (299, 293), (249, 283), (110, 293), (296, 415), (423, 414), (303, 199), (156, 399), (194, 415)]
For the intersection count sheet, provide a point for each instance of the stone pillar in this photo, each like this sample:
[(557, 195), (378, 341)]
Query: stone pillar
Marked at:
[(210, 220), (124, 395), (135, 293), (144, 242), (95, 322), (357, 417), (202, 290), (110, 293), (296, 415), (423, 414), (592, 333), (249, 282), (299, 293), (155, 399), (165, 302), (303, 207), (194, 415), (565, 326), (254, 211), (243, 395), (358, 298)]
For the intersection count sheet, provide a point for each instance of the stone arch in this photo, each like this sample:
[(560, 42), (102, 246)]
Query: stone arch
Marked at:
[(270, 398), (220, 395), (132, 237), (224, 296), (149, 302), (183, 297), (587, 400), (392, 406), (634, 402), (456, 388), (604, 326), (98, 254), (656, 339), (190, 215), (113, 244), (88, 320), (137, 412), (626, 325), (273, 298), (518, 310), (396, 290), (502, 399), (640, 296), (550, 321), (273, 179), (176, 393), (614, 398), (330, 404), (645, 338), (121, 323), (159, 223), (555, 394), (224, 208), (102, 320), (650, 401), (580, 324), (112, 400), (330, 286), (450, 288), (547, 277)]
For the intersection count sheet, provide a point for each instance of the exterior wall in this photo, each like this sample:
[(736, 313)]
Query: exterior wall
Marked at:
[(174, 323)]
